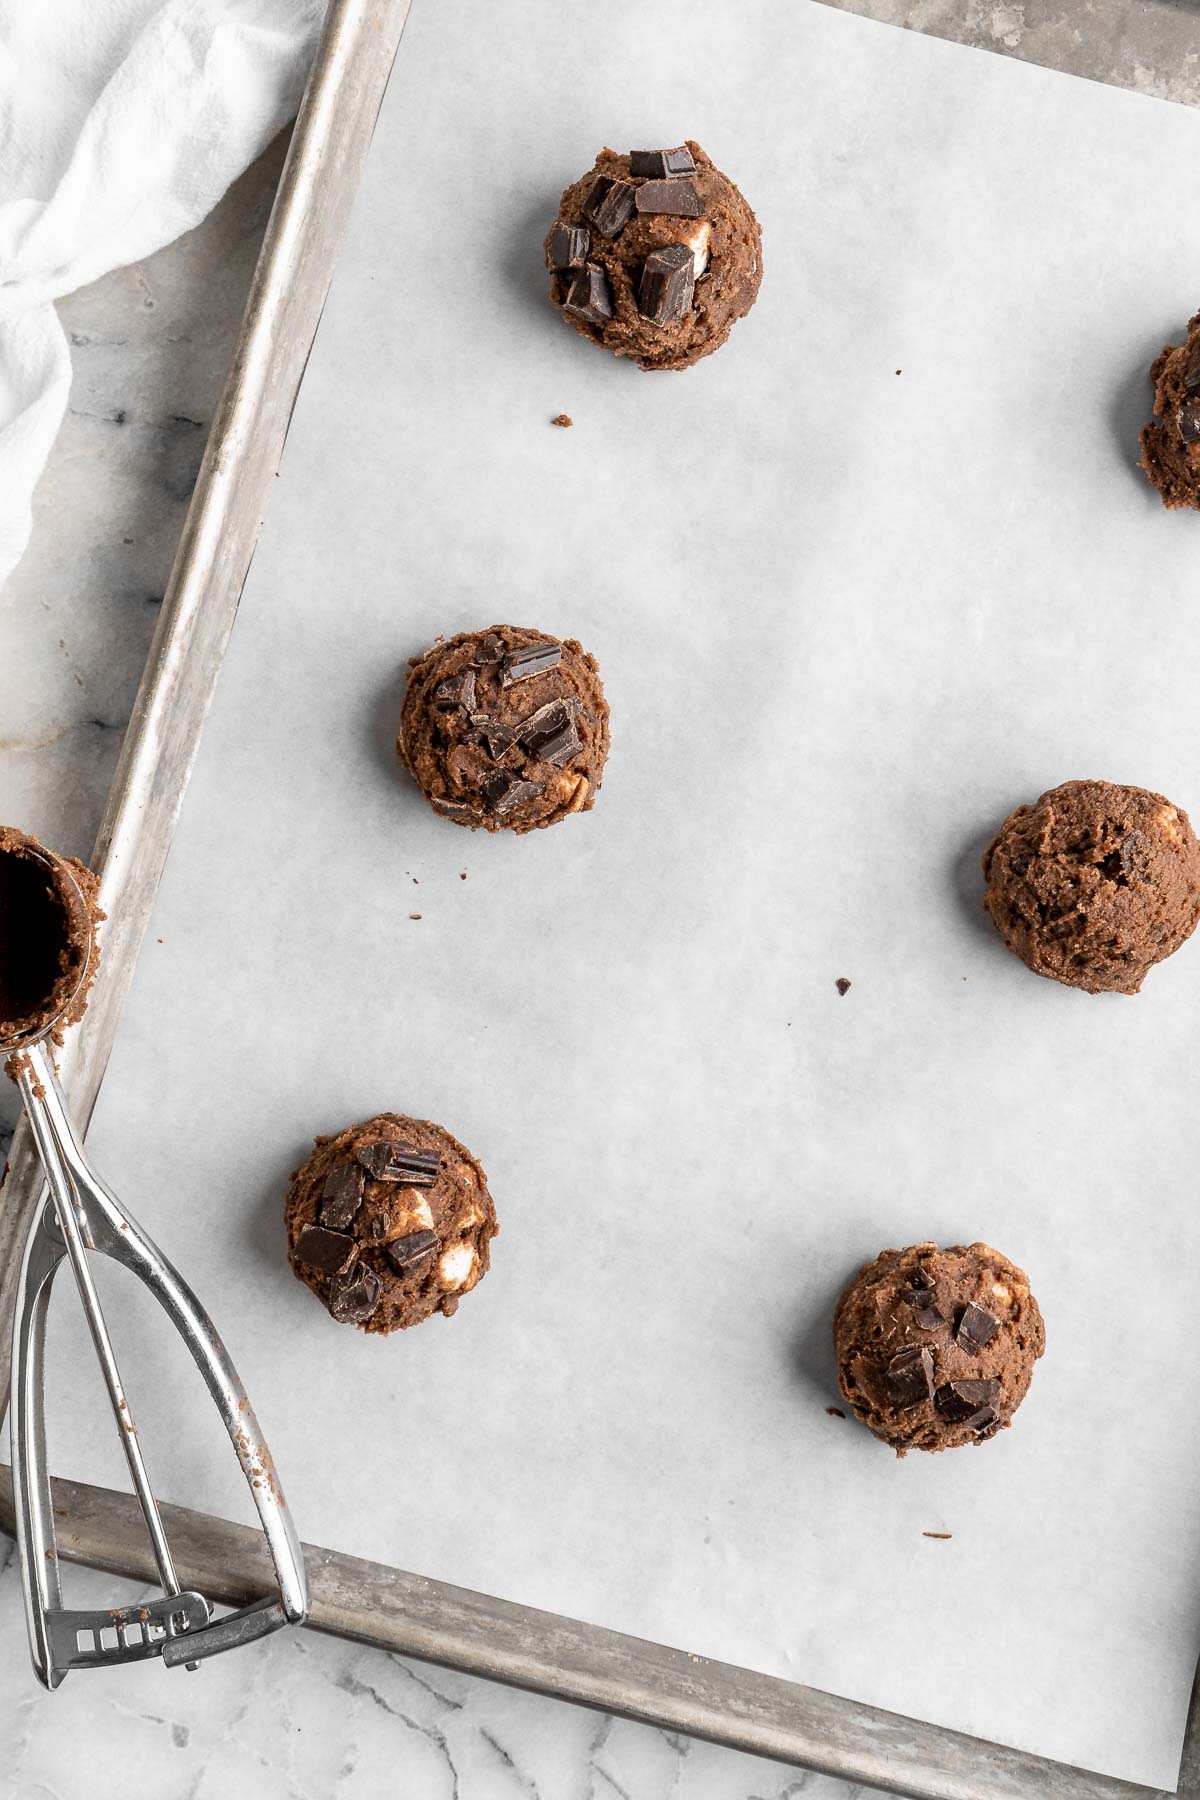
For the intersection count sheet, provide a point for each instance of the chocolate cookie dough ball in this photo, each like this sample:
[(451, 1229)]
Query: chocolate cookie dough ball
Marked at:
[(1094, 884), (389, 1222), (936, 1348), (655, 255), (505, 728), (1171, 442), (49, 952)]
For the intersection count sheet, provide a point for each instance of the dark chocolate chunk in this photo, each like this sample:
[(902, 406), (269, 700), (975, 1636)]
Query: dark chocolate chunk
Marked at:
[(609, 205), (412, 1249), (975, 1328), (530, 659), (326, 1250), (341, 1197), (394, 1161), (590, 296), (921, 1293), (971, 1403), (455, 809), (504, 792), (1191, 369), (549, 734), (928, 1317), (567, 248), (458, 691), (909, 1378), (491, 736), (677, 197), (354, 1295), (668, 284), (490, 650), (1189, 421), (843, 984), (662, 162)]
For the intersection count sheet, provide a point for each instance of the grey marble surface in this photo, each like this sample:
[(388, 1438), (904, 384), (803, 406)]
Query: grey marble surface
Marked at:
[(304, 1715)]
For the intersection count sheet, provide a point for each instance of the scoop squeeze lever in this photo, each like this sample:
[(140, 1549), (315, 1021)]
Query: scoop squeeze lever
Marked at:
[(83, 1215)]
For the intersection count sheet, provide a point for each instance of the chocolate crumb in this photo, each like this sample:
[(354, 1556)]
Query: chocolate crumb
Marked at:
[(935, 1534), (415, 915), (835, 1412), (843, 984)]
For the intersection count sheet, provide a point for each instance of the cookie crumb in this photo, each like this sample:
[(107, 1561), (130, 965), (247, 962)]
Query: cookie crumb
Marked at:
[(899, 371), (843, 985), (835, 1412), (414, 915), (563, 419), (462, 875), (935, 1534)]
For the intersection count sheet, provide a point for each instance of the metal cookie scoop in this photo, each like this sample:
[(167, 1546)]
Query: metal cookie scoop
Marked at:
[(41, 979)]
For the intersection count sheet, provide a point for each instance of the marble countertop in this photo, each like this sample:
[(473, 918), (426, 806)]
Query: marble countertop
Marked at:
[(302, 1714)]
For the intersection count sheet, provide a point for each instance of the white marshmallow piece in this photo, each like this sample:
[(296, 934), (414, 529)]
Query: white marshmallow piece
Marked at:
[(456, 1265)]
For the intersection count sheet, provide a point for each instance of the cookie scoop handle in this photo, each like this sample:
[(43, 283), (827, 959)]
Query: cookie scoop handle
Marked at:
[(86, 1216)]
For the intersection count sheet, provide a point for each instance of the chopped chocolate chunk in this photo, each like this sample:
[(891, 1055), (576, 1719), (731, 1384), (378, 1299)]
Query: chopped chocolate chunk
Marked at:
[(971, 1403), (392, 1161), (928, 1317), (843, 985), (909, 1377), (354, 1294), (590, 296), (975, 1328), (662, 162), (609, 205), (492, 737), (549, 734), (504, 792), (326, 1250), (1191, 369), (491, 649), (341, 1196), (677, 197), (454, 809), (412, 1249), (567, 247), (921, 1293), (530, 659), (668, 284), (1189, 421), (458, 692)]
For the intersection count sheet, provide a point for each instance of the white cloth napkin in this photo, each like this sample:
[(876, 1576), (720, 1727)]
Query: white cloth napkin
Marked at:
[(122, 122)]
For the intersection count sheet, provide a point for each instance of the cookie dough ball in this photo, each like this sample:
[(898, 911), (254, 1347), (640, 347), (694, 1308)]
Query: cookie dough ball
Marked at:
[(936, 1348), (655, 255), (1171, 442), (1094, 884), (505, 728), (389, 1222), (49, 953)]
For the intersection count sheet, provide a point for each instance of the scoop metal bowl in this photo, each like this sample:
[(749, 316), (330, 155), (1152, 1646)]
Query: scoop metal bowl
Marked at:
[(83, 1214)]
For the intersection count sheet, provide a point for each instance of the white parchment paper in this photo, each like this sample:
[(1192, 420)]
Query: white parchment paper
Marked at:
[(875, 573)]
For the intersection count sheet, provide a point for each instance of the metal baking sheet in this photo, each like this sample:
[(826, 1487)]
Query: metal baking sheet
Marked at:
[(923, 591)]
